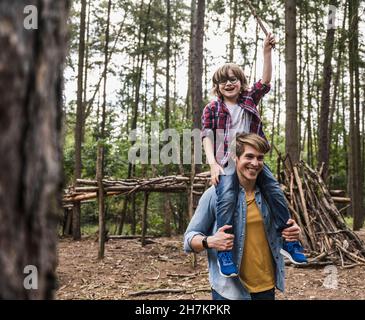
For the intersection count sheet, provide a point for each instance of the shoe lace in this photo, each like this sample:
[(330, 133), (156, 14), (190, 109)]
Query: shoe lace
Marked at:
[(226, 257), (297, 247)]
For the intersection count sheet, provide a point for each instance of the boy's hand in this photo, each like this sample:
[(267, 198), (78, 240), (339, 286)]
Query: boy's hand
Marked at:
[(269, 42), (215, 171)]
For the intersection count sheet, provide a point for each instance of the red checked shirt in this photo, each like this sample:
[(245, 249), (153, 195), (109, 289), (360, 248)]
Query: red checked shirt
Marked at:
[(216, 119)]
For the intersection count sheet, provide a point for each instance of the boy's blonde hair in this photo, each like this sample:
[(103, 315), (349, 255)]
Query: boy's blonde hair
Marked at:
[(222, 72), (251, 139)]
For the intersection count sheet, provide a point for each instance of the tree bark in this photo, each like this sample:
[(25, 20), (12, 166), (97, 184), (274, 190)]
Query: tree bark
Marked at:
[(323, 136), (291, 123), (167, 210), (30, 127), (101, 200), (76, 229), (232, 29), (190, 59), (105, 73), (197, 64), (140, 61), (309, 94), (355, 152)]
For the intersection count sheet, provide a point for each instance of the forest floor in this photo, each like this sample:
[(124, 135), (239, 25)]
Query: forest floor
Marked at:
[(129, 269)]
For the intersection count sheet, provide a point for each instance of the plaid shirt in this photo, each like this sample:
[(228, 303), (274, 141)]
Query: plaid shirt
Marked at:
[(216, 119)]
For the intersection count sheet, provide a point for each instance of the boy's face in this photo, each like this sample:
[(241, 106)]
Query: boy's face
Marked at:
[(230, 88), (250, 163)]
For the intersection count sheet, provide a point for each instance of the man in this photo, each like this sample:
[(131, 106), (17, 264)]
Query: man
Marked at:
[(255, 242)]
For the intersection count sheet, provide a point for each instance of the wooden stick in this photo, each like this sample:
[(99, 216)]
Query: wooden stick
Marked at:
[(101, 204), (253, 11), (156, 291), (144, 219), (305, 212)]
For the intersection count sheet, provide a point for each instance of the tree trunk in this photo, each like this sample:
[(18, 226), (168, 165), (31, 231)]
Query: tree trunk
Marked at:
[(140, 61), (105, 73), (190, 59), (30, 128), (144, 219), (309, 94), (232, 29), (76, 231), (167, 210), (300, 80), (197, 64), (355, 152), (101, 200), (323, 137), (291, 123), (339, 62), (86, 70)]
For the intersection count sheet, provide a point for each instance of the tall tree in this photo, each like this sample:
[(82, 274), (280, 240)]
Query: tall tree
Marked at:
[(356, 174), (323, 136), (101, 156), (232, 28), (190, 59), (141, 51), (76, 231), (30, 144), (167, 204), (197, 64), (309, 91), (339, 62), (291, 122), (105, 73)]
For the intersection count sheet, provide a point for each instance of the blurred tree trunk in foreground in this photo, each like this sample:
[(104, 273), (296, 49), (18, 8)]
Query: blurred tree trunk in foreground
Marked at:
[(31, 71)]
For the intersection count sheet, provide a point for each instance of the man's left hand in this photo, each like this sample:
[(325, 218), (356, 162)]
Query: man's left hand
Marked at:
[(292, 233)]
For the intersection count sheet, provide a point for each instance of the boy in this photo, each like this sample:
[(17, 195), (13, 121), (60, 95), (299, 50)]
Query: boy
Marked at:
[(234, 112)]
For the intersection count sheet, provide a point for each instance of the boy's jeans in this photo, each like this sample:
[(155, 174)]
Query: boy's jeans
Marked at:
[(227, 193)]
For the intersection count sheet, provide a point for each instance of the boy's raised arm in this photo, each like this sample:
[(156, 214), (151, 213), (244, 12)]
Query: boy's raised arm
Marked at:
[(267, 70)]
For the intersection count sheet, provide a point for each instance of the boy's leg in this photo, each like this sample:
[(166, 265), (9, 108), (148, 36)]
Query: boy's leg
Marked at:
[(227, 190), (275, 198)]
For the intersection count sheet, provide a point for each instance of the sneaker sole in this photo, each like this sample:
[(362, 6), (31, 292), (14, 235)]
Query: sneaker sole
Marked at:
[(286, 254), (232, 275)]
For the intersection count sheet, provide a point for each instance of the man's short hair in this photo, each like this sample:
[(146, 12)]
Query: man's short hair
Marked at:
[(251, 139)]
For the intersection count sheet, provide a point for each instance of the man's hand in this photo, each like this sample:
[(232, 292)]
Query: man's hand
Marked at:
[(269, 42), (215, 171), (292, 233), (221, 241)]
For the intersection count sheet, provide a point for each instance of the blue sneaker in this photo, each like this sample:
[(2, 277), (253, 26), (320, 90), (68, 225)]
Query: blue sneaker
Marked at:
[(294, 252), (227, 268)]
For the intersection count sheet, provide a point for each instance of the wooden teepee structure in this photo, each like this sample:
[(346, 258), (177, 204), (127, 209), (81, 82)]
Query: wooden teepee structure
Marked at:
[(325, 233)]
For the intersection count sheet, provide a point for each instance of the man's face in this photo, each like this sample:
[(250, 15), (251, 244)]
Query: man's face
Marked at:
[(250, 163)]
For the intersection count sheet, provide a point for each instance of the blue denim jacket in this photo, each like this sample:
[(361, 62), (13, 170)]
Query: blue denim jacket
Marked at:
[(204, 223)]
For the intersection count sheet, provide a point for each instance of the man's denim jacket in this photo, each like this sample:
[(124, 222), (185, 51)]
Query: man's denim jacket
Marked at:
[(204, 223)]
